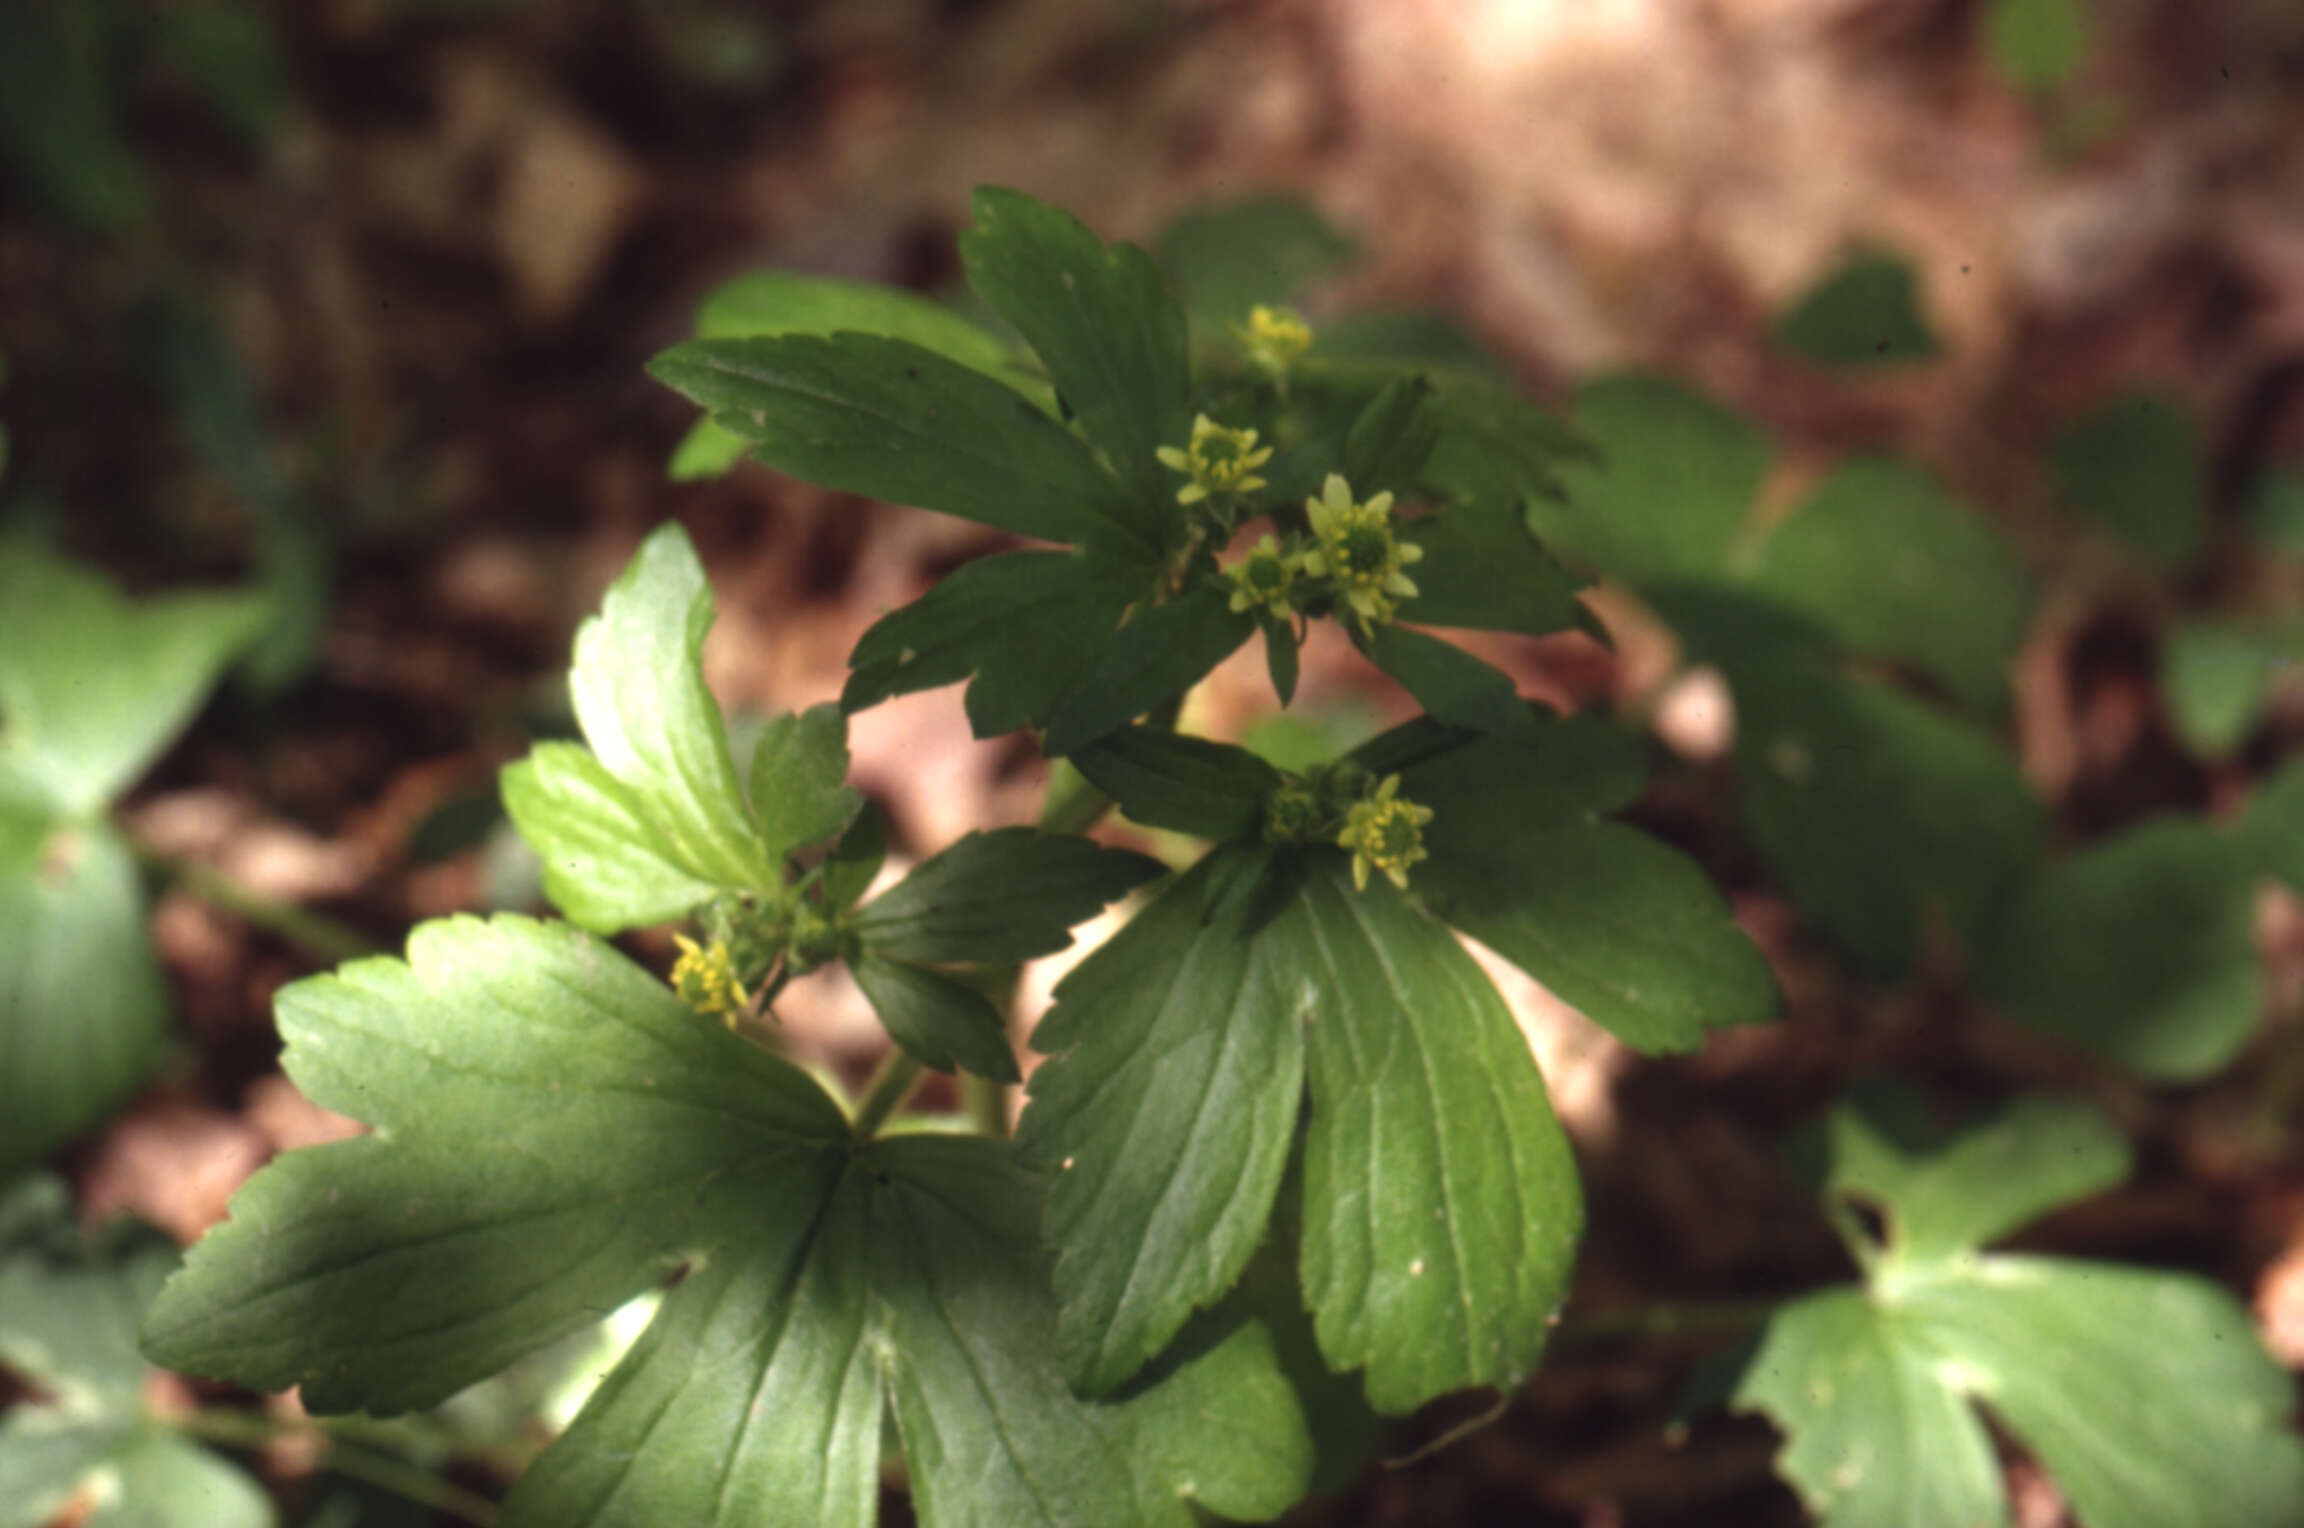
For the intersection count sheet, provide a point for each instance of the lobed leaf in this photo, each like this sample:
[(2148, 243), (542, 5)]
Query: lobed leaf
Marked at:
[(1159, 654), (995, 897), (1483, 569), (1451, 685), (606, 867), (799, 790), (1164, 779), (944, 1024)]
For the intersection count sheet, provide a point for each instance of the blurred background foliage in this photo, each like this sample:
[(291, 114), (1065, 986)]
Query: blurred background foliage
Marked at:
[(1943, 362)]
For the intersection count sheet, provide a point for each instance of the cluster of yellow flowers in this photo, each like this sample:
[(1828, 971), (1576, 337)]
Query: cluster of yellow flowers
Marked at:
[(705, 978), (1383, 829)]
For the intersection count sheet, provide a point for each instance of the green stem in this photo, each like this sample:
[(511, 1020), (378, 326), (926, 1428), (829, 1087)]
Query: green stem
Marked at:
[(987, 1104), (315, 932), (1072, 804), (1667, 1320), (899, 1074), (385, 1471)]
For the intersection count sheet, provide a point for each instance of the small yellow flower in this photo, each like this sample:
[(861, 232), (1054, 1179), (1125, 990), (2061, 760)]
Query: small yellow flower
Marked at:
[(1384, 833), (705, 978), (1218, 460), (1264, 579), (1358, 550), (1273, 337)]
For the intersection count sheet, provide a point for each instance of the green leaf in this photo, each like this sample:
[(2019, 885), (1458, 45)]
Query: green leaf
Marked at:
[(1391, 439), (2276, 509), (945, 1025), (1881, 558), (1410, 335), (1494, 443), (1441, 1210), (1162, 779), (2135, 465), (855, 860), (2144, 1394), (1872, 807), (1104, 324), (92, 686), (1673, 483), (1484, 569), (1162, 652), (652, 822), (890, 420), (57, 117), (1867, 313), (2271, 831), (1496, 793), (785, 302), (1449, 683), (1164, 1117), (1627, 931), (2218, 678), (231, 55), (2036, 45), (1026, 625), (1008, 895), (555, 1132), (83, 1013), (1231, 256), (2139, 948), (799, 776), (157, 1480)]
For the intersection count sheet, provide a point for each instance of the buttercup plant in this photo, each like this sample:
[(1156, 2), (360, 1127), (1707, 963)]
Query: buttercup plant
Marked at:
[(1287, 1157)]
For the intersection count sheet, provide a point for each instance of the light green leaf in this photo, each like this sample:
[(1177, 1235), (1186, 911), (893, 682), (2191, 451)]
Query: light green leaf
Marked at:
[(638, 685), (1162, 779), (2140, 948), (940, 1022), (1672, 485), (1441, 1209), (2217, 678), (606, 866), (1164, 1118), (1866, 313), (1449, 683), (83, 1014), (706, 451), (555, 1131), (1159, 654), (1104, 324), (799, 786), (890, 420), (157, 1480), (1228, 257), (2036, 45), (2135, 465), (1008, 895), (44, 1455), (1888, 564), (2144, 1394), (92, 686), (1026, 625)]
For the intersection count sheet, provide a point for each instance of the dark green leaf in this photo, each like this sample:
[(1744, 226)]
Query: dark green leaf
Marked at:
[(2140, 948), (1157, 656), (57, 117), (2135, 465), (2145, 1394), (1494, 443), (799, 786), (1494, 793), (1867, 313), (230, 54), (890, 420), (1893, 568), (1405, 335), (1281, 658), (1484, 569), (93, 686), (945, 1025), (1392, 438), (83, 1014), (2036, 45), (1026, 624), (854, 861), (1231, 256), (2276, 509), (1187, 784), (1165, 1116), (1441, 1209), (1448, 682), (1672, 486), (1008, 895), (2271, 833), (1629, 932), (1104, 324)]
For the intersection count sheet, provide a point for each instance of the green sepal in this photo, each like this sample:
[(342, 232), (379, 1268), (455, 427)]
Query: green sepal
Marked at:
[(942, 1023), (1163, 779), (890, 420), (1158, 655), (1007, 895), (1103, 322)]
